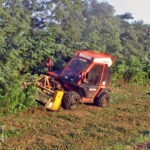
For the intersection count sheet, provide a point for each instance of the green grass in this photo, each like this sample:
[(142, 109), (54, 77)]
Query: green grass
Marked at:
[(125, 123), (8, 134)]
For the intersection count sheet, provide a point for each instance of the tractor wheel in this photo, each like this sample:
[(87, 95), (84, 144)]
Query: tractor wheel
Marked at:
[(70, 100), (102, 100)]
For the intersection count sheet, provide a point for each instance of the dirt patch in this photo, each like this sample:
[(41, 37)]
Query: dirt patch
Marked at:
[(143, 146), (40, 110)]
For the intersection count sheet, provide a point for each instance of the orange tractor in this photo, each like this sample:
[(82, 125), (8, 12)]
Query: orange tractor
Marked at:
[(84, 79)]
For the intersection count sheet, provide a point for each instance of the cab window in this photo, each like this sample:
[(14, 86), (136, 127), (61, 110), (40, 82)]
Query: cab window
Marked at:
[(94, 75)]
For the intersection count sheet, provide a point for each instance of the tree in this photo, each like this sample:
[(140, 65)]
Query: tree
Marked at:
[(126, 16)]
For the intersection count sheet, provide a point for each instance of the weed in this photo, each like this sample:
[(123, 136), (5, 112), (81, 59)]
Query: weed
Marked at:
[(114, 147), (116, 97), (6, 134), (93, 112), (142, 138), (69, 118)]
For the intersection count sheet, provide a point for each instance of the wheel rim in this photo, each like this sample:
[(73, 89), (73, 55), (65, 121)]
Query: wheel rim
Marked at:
[(74, 103), (104, 102)]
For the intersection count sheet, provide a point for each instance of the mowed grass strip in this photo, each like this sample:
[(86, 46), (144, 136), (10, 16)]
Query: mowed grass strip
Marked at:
[(125, 123)]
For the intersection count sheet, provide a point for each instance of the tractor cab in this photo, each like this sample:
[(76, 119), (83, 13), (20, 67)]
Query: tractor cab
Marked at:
[(84, 66)]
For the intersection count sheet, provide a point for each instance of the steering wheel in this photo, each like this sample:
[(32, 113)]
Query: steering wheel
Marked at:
[(70, 71)]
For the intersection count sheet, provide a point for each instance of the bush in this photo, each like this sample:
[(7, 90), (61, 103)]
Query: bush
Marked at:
[(132, 70), (14, 97)]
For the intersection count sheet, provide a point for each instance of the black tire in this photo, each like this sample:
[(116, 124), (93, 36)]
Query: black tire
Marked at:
[(102, 100), (70, 100)]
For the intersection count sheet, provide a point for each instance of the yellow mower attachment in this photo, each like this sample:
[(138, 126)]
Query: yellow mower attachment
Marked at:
[(55, 104), (51, 98)]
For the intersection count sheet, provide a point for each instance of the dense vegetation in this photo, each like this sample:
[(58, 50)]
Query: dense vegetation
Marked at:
[(33, 30)]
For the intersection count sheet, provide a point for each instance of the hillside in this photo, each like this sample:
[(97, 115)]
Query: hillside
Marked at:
[(123, 125)]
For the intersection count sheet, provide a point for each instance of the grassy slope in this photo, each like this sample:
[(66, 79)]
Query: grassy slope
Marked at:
[(125, 122)]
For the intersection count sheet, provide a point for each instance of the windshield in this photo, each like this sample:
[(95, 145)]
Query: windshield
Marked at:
[(73, 69)]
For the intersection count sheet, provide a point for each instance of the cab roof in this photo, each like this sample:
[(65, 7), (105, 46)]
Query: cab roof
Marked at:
[(95, 54), (97, 57)]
